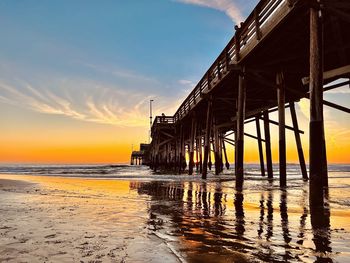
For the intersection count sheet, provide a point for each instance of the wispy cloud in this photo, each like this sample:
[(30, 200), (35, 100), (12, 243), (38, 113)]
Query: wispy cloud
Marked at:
[(188, 85), (226, 6), (96, 103), (122, 73), (113, 96)]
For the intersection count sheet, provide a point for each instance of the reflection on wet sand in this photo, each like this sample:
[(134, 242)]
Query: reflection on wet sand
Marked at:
[(320, 221), (239, 211), (206, 217), (303, 217)]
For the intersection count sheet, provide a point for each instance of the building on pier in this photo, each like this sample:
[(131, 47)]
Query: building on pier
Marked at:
[(140, 157)]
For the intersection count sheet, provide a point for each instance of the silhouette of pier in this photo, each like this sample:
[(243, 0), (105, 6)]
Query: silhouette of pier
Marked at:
[(286, 50)]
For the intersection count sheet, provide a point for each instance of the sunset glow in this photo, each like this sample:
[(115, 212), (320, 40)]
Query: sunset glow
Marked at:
[(75, 83)]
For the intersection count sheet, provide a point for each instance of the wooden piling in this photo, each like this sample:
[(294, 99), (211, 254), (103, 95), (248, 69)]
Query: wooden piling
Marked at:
[(216, 150), (281, 127), (268, 145), (168, 155), (227, 164), (182, 147), (221, 163), (240, 130), (156, 154), (197, 154), (298, 141), (191, 147), (177, 153), (183, 155), (261, 155), (318, 166), (209, 150), (201, 154), (207, 140)]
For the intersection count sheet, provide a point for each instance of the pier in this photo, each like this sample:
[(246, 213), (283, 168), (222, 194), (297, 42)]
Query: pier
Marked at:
[(286, 50)]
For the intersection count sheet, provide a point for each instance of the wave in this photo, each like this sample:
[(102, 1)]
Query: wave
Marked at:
[(252, 171)]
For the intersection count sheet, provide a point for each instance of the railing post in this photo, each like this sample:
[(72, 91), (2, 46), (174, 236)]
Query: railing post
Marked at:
[(227, 58), (257, 24), (208, 80), (237, 43), (218, 69)]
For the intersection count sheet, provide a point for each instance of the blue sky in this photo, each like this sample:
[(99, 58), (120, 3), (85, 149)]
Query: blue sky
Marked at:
[(115, 54)]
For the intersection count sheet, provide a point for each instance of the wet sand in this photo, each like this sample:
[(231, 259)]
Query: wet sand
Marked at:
[(57, 219), (47, 219)]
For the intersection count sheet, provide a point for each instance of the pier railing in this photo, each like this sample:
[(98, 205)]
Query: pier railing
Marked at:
[(161, 120), (247, 35)]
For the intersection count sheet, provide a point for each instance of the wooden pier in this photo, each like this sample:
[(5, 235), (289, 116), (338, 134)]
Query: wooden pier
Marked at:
[(286, 50)]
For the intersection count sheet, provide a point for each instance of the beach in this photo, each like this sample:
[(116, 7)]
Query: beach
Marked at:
[(65, 220), (169, 218)]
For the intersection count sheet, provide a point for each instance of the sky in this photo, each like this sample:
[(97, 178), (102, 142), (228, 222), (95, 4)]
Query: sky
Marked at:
[(76, 76)]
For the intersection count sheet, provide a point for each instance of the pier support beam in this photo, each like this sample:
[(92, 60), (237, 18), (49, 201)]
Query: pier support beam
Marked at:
[(197, 154), (220, 152), (227, 164), (240, 130), (183, 150), (268, 145), (318, 163), (282, 130), (179, 148), (261, 155), (191, 146), (207, 140), (298, 141), (201, 154), (209, 150), (216, 148)]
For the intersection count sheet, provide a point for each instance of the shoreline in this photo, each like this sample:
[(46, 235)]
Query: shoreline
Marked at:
[(14, 183)]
